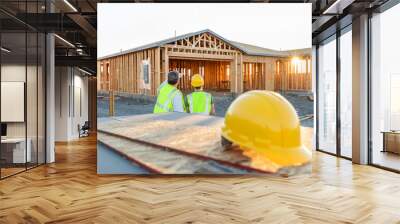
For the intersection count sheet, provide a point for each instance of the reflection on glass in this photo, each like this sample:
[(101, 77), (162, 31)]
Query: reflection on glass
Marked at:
[(31, 101), (41, 98), (327, 97), (386, 89), (346, 94), (14, 153), (22, 91)]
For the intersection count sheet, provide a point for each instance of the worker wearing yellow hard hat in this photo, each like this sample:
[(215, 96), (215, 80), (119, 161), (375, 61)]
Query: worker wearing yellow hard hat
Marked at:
[(266, 127), (169, 97), (199, 101)]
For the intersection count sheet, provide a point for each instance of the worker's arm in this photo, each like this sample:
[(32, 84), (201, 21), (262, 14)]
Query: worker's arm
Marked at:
[(212, 106), (178, 104), (212, 109), (160, 86), (186, 104)]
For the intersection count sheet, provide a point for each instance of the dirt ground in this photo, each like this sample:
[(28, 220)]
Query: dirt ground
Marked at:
[(130, 105)]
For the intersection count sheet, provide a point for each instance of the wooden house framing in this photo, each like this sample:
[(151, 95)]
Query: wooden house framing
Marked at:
[(225, 66)]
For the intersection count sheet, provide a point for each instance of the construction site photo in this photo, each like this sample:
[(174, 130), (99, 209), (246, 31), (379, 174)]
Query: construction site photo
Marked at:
[(199, 92)]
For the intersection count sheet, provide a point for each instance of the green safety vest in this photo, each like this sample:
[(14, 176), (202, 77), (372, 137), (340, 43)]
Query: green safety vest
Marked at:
[(200, 102), (165, 99)]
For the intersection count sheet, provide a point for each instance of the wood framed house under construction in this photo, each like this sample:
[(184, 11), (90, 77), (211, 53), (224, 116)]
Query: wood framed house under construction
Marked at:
[(224, 64)]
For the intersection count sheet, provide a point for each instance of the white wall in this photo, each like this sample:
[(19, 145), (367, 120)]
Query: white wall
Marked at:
[(12, 73), (62, 82), (70, 83), (34, 125)]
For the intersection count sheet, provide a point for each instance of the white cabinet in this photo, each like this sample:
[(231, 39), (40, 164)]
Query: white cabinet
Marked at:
[(17, 147)]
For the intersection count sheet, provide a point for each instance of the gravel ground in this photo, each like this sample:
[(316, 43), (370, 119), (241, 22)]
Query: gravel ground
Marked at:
[(124, 106), (137, 105)]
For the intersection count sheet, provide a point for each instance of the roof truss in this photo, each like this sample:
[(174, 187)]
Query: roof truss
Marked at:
[(203, 40)]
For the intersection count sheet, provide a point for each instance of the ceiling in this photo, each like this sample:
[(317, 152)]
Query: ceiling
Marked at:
[(75, 22)]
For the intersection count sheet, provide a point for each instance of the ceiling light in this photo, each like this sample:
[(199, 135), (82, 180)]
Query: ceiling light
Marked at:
[(338, 6), (65, 41), (70, 5), (5, 50), (86, 72)]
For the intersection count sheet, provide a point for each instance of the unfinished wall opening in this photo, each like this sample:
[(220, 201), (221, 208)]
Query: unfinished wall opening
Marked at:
[(215, 73), (293, 74), (105, 76), (253, 76)]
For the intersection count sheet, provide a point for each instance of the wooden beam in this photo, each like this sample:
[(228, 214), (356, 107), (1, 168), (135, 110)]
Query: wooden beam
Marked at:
[(174, 48), (100, 74), (165, 64), (269, 74), (111, 107), (157, 65), (239, 78), (232, 75), (199, 56)]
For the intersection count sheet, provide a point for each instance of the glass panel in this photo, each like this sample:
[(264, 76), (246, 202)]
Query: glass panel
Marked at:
[(31, 97), (13, 78), (346, 94), (41, 98), (386, 89), (23, 81), (327, 96)]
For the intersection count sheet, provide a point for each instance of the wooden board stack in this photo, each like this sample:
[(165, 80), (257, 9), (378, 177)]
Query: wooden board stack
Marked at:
[(179, 143)]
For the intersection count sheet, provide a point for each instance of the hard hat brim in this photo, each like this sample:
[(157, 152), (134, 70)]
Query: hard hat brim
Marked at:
[(281, 157)]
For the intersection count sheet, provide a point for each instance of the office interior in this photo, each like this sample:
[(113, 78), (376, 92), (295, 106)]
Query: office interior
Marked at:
[(47, 93), (358, 83), (356, 121), (354, 65)]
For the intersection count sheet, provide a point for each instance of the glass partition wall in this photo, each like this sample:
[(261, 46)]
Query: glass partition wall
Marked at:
[(334, 81), (345, 61), (22, 78), (385, 90), (334, 91), (327, 96)]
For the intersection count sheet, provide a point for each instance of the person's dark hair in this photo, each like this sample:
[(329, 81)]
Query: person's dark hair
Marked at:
[(173, 77)]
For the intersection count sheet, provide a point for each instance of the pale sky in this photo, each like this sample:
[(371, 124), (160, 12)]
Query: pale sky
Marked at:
[(275, 26)]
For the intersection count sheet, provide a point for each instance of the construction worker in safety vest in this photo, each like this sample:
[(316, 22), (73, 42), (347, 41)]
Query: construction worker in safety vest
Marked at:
[(169, 98), (199, 102)]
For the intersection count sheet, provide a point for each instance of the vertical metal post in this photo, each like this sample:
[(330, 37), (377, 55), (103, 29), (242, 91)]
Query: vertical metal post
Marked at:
[(26, 88), (317, 96), (369, 89), (360, 90), (338, 77), (0, 96)]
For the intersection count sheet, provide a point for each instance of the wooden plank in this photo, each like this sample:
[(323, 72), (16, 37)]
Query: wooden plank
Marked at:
[(198, 135), (131, 74), (157, 72), (150, 57), (170, 160), (125, 73), (198, 49), (198, 56), (240, 74), (166, 64)]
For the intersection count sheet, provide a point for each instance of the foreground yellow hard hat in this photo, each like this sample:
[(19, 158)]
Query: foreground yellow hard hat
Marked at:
[(197, 80), (265, 125)]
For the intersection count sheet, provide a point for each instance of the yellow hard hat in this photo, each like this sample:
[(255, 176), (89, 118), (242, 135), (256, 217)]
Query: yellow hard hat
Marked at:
[(265, 125), (197, 80)]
